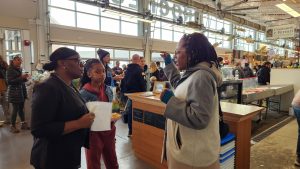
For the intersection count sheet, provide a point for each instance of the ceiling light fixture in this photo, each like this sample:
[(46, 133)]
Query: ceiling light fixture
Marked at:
[(288, 10), (118, 13)]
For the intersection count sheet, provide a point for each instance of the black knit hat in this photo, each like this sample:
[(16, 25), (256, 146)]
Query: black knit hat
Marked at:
[(59, 54), (102, 53)]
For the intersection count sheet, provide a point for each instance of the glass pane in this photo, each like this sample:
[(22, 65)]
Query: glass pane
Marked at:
[(178, 28), (87, 8), (56, 46), (129, 19), (219, 26), (156, 57), (212, 24), (166, 35), (62, 3), (121, 54), (86, 52), (19, 45), (62, 17), (129, 28), (226, 44), (177, 36), (156, 33), (227, 28), (136, 52), (205, 22), (87, 21), (156, 24), (130, 4), (110, 25), (211, 40)]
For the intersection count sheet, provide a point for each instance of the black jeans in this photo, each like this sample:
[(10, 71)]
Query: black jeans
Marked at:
[(18, 108), (297, 114), (129, 113)]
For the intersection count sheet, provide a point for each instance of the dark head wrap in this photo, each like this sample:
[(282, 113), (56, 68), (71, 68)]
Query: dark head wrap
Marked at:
[(102, 53), (59, 54)]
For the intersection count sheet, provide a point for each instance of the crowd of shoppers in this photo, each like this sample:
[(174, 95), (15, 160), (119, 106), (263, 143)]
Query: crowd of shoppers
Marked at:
[(61, 122)]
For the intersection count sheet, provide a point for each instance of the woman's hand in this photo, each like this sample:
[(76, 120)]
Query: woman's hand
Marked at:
[(86, 120), (24, 76), (166, 95), (167, 57)]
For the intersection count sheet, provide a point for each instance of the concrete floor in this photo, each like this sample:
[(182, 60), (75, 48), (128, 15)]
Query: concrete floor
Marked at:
[(276, 151), (15, 150)]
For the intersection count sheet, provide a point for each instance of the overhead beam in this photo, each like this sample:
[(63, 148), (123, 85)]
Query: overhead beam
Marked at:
[(236, 4), (241, 9)]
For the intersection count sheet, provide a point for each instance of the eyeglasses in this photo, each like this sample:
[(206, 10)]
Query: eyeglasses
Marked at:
[(77, 60)]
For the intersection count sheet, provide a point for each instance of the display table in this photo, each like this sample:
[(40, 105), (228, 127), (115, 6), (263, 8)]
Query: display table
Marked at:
[(148, 128)]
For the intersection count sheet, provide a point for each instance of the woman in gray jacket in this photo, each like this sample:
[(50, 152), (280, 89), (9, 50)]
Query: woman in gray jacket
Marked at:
[(192, 139)]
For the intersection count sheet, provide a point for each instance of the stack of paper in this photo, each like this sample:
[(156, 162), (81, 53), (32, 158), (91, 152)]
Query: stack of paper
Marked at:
[(227, 153)]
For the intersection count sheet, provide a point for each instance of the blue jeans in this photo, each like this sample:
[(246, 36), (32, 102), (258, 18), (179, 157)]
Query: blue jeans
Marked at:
[(129, 115), (297, 114)]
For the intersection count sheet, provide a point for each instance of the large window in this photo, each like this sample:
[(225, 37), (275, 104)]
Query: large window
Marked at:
[(241, 42), (222, 26), (171, 11), (76, 14), (261, 36), (13, 45), (213, 23)]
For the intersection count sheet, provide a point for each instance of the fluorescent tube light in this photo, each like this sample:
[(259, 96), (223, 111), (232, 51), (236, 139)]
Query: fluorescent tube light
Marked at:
[(112, 12), (186, 28), (145, 20), (288, 10)]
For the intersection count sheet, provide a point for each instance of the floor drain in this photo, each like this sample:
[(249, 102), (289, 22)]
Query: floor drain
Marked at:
[(272, 129)]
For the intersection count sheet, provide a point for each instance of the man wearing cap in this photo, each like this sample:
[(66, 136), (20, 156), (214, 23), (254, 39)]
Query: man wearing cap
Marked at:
[(104, 56)]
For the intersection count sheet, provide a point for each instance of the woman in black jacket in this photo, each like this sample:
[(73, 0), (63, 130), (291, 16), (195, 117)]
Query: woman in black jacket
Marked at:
[(17, 92), (60, 119)]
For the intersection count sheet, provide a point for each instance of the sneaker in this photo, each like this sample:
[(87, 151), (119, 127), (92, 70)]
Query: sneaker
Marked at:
[(297, 162), (13, 129), (129, 134), (24, 126)]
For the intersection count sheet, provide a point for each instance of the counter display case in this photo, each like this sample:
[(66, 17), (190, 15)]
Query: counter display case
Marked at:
[(231, 91)]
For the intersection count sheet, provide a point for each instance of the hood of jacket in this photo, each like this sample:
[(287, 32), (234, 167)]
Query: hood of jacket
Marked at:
[(215, 72)]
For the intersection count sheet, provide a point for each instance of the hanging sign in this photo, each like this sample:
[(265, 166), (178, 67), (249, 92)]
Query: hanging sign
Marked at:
[(284, 31)]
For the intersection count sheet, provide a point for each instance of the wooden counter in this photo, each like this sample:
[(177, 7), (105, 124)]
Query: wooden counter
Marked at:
[(148, 128)]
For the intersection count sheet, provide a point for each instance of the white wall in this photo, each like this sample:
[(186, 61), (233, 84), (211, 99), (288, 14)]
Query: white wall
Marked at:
[(286, 76), (71, 35)]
